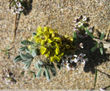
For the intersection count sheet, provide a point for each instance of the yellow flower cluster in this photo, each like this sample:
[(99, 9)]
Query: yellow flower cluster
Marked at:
[(50, 43)]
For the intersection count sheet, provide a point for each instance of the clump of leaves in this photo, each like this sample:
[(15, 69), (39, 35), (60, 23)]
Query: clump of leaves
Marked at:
[(45, 69)]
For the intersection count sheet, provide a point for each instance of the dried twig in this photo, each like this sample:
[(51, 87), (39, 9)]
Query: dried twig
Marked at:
[(17, 17)]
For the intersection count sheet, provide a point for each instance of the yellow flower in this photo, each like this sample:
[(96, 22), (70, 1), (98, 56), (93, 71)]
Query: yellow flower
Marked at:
[(43, 50), (61, 55), (46, 35), (54, 58), (37, 40), (51, 31), (50, 41), (47, 54), (43, 42), (39, 30), (46, 29), (57, 39), (57, 51)]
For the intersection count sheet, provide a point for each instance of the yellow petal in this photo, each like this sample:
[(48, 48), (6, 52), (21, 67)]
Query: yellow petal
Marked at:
[(57, 58), (57, 39), (66, 36), (47, 54), (43, 42), (51, 31), (50, 41), (52, 59), (57, 51), (46, 29), (43, 50), (39, 30)]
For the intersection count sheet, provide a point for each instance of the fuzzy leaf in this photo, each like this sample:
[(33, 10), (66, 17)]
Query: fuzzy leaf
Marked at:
[(53, 70), (47, 74), (27, 63), (26, 56), (39, 73), (35, 52), (23, 48), (18, 58), (26, 42), (37, 66)]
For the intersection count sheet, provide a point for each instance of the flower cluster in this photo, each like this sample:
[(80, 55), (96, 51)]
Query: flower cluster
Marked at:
[(16, 6), (50, 43), (72, 61), (81, 24)]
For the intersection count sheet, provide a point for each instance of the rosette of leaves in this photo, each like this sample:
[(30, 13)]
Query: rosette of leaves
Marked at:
[(50, 43), (27, 52), (45, 69)]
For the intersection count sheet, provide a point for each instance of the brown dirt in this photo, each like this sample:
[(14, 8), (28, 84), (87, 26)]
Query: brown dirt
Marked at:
[(58, 14)]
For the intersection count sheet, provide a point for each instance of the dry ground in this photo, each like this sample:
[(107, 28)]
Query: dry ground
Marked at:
[(58, 14)]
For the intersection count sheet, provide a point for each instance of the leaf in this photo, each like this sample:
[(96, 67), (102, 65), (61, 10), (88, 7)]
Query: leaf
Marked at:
[(94, 48), (102, 36), (33, 73), (53, 70), (89, 34), (39, 73), (101, 50), (26, 42), (33, 34), (22, 73), (34, 52), (27, 63), (74, 36), (26, 56), (23, 48), (47, 74), (37, 66), (18, 58), (95, 79)]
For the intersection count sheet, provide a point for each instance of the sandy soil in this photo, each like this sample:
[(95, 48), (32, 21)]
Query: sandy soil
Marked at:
[(58, 14)]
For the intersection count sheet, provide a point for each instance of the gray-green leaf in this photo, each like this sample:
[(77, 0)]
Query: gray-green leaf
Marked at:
[(39, 73), (18, 58), (26, 42), (26, 56), (47, 74)]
